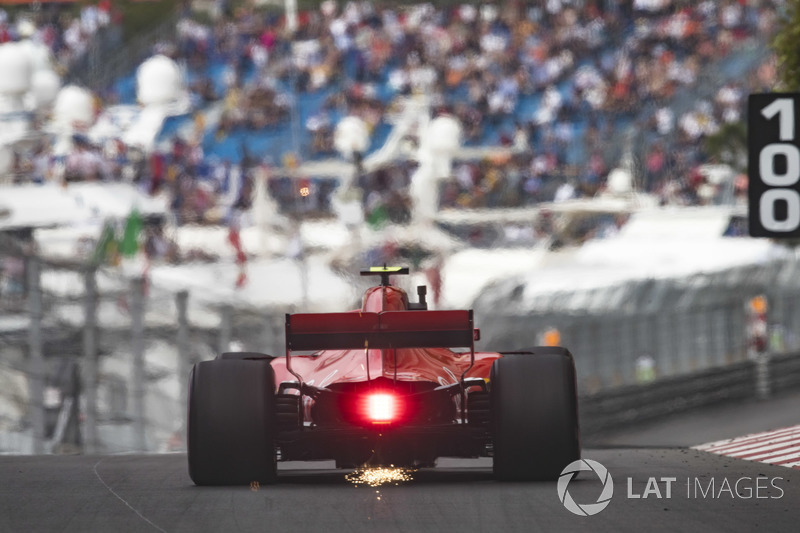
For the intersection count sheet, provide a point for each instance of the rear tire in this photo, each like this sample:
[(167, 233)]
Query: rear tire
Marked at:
[(231, 430), (534, 409)]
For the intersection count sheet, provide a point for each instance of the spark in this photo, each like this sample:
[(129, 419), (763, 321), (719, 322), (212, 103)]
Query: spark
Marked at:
[(377, 476)]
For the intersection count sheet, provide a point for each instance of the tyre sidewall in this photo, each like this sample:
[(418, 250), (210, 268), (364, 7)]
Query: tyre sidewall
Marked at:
[(534, 414), (230, 433)]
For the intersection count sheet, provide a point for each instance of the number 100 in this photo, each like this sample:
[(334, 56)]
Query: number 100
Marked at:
[(781, 182)]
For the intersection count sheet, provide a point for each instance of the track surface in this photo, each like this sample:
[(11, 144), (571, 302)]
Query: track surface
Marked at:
[(154, 493)]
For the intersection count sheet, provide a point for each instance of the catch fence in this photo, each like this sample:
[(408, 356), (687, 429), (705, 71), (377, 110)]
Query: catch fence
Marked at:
[(96, 360)]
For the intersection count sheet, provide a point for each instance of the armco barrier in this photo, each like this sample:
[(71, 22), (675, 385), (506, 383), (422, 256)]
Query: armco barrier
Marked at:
[(785, 373), (615, 408)]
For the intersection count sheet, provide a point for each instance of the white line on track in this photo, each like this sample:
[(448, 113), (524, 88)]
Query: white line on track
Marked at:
[(120, 498)]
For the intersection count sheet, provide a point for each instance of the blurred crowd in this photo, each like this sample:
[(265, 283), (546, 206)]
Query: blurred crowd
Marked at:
[(68, 36), (555, 82), (558, 83)]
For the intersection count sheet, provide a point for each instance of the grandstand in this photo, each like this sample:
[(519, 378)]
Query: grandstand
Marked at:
[(565, 84), (563, 78)]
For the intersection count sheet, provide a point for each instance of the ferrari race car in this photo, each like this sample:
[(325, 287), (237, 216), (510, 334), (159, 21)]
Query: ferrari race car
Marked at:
[(382, 385)]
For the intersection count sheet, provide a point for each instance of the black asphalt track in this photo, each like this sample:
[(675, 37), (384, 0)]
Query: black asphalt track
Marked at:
[(154, 493)]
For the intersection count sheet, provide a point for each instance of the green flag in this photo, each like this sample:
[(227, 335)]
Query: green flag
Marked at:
[(378, 217), (130, 237), (106, 246)]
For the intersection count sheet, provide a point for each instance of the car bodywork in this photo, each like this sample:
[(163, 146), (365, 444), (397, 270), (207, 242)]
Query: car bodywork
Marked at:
[(391, 383), (387, 347)]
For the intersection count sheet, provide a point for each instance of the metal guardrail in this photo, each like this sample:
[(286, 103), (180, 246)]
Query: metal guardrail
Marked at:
[(785, 373), (623, 406)]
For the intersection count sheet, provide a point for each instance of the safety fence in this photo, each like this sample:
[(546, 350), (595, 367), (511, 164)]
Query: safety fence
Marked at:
[(97, 360), (652, 329)]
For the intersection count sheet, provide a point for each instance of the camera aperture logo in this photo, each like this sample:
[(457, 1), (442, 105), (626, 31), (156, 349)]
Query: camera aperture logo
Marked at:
[(569, 473)]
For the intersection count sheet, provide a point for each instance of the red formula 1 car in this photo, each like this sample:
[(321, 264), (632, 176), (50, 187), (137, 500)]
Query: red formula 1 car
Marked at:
[(380, 386)]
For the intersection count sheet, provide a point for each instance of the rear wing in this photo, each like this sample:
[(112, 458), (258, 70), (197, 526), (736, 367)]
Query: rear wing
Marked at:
[(388, 329)]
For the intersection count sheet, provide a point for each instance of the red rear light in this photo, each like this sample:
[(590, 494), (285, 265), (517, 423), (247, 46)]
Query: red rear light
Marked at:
[(382, 408)]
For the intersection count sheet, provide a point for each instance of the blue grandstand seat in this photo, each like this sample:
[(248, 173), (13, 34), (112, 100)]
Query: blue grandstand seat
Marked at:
[(125, 89)]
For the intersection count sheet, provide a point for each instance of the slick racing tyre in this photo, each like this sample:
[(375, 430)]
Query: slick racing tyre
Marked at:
[(534, 414), (230, 433)]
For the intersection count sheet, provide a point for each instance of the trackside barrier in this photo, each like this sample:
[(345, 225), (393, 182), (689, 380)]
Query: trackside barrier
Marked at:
[(694, 344), (785, 373), (618, 407)]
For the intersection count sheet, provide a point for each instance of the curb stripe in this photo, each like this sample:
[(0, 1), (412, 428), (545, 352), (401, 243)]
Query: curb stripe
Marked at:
[(780, 447), (757, 456), (752, 445), (749, 439)]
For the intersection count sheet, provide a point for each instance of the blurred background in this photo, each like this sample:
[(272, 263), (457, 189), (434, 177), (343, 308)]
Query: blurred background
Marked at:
[(176, 176)]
